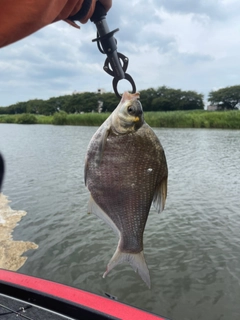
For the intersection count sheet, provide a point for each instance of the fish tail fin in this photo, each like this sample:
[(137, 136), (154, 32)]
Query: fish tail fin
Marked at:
[(136, 260)]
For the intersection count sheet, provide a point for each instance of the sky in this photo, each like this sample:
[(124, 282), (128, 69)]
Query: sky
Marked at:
[(182, 44)]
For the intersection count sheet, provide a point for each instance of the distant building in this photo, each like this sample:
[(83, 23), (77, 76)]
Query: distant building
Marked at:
[(212, 108), (101, 90)]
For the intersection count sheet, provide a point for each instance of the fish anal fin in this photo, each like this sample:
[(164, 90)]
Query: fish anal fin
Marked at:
[(160, 196), (136, 260), (94, 208)]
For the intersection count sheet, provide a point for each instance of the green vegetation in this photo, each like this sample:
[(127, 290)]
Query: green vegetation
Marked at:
[(163, 107), (173, 119), (159, 99), (167, 99), (60, 118), (26, 118), (87, 119), (225, 98), (194, 119), (42, 119)]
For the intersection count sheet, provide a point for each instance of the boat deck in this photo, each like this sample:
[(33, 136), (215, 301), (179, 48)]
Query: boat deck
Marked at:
[(11, 308)]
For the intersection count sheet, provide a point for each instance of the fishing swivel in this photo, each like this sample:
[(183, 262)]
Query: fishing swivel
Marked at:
[(116, 63)]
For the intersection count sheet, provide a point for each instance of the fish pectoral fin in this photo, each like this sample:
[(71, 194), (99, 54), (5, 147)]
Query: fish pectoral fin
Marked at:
[(101, 144), (160, 196), (136, 261)]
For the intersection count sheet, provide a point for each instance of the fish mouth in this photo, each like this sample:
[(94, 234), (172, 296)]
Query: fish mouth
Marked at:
[(136, 119), (129, 126)]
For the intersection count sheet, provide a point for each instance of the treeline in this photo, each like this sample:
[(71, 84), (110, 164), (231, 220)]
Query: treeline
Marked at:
[(160, 99)]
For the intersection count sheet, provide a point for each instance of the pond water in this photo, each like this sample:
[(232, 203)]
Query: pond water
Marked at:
[(192, 249)]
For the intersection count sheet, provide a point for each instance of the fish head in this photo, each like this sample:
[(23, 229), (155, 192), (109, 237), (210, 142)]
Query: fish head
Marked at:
[(128, 116)]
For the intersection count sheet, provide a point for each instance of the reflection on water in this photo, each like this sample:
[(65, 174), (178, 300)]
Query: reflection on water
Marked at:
[(11, 251), (192, 248)]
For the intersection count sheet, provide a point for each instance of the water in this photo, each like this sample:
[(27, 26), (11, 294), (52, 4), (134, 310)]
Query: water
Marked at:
[(192, 248)]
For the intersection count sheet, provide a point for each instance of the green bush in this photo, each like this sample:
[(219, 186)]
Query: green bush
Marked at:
[(60, 118), (7, 119), (87, 119), (44, 119), (26, 118)]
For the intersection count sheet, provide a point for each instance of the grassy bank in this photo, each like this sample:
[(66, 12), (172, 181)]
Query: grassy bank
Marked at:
[(175, 119), (194, 119)]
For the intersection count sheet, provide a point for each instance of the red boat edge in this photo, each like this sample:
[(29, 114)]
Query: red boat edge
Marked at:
[(67, 301)]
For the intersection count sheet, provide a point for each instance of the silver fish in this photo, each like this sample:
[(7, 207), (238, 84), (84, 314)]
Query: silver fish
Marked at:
[(125, 171)]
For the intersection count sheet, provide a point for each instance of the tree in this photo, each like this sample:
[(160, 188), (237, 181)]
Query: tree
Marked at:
[(168, 99), (225, 98), (110, 101), (146, 98), (32, 106), (191, 100)]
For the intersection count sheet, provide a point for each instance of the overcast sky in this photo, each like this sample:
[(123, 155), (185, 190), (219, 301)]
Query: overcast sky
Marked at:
[(185, 44)]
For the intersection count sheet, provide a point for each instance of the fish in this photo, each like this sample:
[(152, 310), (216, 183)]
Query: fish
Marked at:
[(125, 172)]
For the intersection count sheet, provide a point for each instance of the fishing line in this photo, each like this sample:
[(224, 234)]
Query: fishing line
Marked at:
[(17, 313)]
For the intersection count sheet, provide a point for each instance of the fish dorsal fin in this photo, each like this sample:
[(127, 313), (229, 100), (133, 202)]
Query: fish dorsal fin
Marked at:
[(160, 195)]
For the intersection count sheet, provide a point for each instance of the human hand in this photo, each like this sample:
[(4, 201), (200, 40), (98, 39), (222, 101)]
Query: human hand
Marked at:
[(106, 3), (81, 14)]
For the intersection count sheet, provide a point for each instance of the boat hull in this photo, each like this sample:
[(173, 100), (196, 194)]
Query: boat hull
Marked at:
[(28, 296)]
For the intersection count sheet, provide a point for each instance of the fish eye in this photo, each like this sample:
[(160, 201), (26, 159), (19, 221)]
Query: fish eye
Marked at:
[(130, 110)]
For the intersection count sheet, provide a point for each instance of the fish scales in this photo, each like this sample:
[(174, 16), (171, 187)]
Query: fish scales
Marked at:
[(123, 173)]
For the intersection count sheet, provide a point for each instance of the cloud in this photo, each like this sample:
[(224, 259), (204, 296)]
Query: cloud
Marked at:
[(214, 9), (192, 45)]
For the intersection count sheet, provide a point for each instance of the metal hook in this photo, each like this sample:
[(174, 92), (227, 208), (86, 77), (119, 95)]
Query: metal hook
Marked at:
[(115, 84)]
